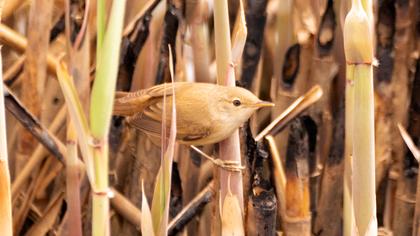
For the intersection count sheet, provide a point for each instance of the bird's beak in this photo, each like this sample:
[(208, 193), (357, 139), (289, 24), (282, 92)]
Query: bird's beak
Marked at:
[(263, 104)]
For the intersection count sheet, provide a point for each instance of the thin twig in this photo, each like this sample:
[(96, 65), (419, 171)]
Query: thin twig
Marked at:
[(14, 70), (192, 209), (409, 142), (299, 105)]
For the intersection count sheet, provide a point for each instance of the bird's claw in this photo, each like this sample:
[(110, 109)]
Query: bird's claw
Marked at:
[(233, 166), (228, 165)]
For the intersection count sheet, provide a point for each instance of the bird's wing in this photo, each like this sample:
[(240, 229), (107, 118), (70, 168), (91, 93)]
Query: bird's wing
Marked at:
[(146, 124), (149, 121), (130, 103)]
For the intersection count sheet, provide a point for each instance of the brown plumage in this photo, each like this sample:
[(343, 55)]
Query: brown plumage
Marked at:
[(206, 113)]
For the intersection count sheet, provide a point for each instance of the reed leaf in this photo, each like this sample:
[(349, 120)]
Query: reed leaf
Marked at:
[(77, 116), (102, 99), (161, 194)]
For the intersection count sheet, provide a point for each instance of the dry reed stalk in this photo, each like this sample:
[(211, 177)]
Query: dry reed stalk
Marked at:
[(412, 140), (323, 72), (10, 7), (385, 32), (6, 221), (348, 212), (193, 208), (126, 208), (23, 209), (170, 29), (197, 15), (279, 177), (13, 39), (297, 218), (47, 221), (284, 37), (329, 212), (34, 71), (298, 106), (404, 43), (145, 70), (295, 73), (14, 70), (231, 190), (73, 183), (262, 204), (255, 15)]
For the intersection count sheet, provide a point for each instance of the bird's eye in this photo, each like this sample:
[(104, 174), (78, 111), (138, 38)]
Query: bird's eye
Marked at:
[(236, 102)]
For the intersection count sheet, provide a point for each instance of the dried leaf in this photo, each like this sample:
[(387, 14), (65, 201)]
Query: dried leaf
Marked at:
[(146, 215), (77, 116), (161, 195), (239, 35), (232, 216)]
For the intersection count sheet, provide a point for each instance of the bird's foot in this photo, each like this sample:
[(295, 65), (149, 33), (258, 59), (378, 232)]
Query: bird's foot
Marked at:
[(233, 166)]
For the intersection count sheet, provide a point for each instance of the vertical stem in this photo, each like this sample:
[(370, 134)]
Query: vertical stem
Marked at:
[(229, 149), (348, 214), (100, 204), (100, 21), (73, 183), (359, 57), (364, 149), (5, 194), (225, 72)]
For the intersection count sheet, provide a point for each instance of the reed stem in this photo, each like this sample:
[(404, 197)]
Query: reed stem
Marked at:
[(359, 57)]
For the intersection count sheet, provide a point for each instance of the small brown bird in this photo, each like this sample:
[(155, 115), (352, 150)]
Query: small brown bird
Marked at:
[(206, 113)]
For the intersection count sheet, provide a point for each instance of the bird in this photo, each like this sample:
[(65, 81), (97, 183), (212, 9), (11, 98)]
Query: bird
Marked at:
[(205, 113)]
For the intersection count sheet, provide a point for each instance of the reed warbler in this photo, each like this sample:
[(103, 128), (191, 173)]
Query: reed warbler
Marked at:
[(206, 113)]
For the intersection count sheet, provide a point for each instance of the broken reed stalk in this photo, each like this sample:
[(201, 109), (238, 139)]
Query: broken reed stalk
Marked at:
[(298, 106), (6, 222), (297, 219), (73, 174), (358, 48), (279, 176), (231, 186), (262, 203), (330, 202)]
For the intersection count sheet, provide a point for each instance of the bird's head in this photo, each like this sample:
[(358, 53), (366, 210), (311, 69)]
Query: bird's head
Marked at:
[(238, 104)]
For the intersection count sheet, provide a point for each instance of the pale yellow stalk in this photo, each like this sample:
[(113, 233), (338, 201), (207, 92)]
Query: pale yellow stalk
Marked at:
[(230, 183), (358, 46), (6, 222), (348, 214)]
